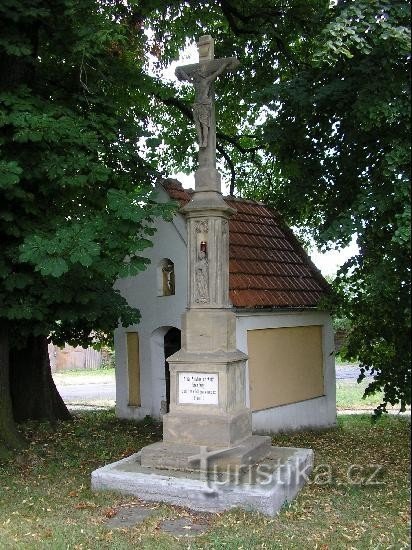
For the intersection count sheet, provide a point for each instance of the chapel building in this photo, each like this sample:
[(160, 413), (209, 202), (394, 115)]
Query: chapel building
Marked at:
[(276, 292)]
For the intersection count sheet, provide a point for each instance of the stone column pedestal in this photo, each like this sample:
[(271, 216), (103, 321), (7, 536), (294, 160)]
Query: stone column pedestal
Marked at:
[(208, 375), (207, 399), (207, 383), (219, 417)]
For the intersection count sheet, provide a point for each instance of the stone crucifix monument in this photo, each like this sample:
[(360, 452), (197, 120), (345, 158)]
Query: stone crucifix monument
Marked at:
[(207, 376), (202, 75), (208, 430)]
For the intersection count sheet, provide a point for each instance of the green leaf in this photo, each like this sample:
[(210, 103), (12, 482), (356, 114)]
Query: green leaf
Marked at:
[(52, 266), (133, 266), (10, 173)]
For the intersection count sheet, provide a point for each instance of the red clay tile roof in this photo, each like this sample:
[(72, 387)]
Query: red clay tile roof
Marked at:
[(268, 267)]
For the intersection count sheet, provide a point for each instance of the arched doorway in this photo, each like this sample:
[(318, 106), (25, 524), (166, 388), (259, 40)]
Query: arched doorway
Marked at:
[(172, 344)]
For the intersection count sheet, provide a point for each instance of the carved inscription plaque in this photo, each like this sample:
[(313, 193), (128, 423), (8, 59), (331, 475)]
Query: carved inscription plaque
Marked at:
[(199, 388)]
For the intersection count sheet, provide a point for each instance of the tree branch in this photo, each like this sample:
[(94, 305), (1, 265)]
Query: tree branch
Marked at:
[(254, 21), (234, 141), (232, 14), (177, 103), (231, 166)]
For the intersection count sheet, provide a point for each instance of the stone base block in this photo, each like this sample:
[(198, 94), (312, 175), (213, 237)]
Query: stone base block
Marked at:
[(208, 330), (264, 487), (175, 456), (225, 430)]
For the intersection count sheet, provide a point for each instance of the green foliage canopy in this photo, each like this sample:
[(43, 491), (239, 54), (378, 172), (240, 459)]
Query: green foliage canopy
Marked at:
[(342, 140), (76, 199)]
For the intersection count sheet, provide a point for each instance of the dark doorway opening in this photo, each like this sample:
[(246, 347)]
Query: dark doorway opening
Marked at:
[(172, 344)]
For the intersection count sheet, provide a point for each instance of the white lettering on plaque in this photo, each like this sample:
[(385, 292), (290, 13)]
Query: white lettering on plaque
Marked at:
[(201, 388)]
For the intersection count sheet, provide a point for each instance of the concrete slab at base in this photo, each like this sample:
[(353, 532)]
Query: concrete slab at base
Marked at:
[(264, 488)]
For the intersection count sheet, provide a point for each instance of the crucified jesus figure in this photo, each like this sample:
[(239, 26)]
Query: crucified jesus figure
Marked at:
[(202, 76)]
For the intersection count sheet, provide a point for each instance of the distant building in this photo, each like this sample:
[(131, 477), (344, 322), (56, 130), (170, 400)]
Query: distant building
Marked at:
[(275, 290)]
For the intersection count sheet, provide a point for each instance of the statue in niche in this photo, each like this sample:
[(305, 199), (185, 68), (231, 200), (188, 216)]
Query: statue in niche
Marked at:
[(202, 278), (168, 278)]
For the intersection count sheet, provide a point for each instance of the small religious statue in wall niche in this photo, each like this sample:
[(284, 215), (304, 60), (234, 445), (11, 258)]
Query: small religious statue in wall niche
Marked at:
[(168, 279), (202, 278), (202, 76)]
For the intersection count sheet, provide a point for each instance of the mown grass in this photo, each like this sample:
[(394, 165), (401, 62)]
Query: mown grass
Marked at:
[(349, 395), (46, 501)]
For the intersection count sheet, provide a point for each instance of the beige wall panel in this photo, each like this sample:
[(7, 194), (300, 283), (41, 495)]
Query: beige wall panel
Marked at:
[(133, 367), (285, 365)]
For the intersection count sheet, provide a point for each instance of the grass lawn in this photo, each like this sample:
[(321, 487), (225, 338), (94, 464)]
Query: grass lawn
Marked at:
[(349, 395), (46, 502)]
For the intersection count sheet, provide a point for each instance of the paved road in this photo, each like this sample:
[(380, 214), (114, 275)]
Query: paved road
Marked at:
[(348, 372), (87, 392)]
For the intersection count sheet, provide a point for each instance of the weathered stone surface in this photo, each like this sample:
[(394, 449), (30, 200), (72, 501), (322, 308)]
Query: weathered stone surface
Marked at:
[(230, 377), (209, 331), (220, 430), (165, 455), (130, 516)]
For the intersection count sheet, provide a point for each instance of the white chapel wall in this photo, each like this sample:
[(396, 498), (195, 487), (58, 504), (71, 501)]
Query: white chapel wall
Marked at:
[(158, 313)]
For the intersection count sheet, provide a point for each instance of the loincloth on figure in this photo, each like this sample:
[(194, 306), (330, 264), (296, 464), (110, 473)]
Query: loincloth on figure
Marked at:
[(201, 113)]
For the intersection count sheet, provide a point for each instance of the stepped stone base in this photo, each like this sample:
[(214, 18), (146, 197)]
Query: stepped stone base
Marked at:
[(222, 430), (175, 456), (264, 487)]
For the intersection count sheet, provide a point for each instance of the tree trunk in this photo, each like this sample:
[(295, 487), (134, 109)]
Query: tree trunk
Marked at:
[(9, 436), (33, 391)]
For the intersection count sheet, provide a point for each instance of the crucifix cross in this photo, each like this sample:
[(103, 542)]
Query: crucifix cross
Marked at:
[(202, 75)]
